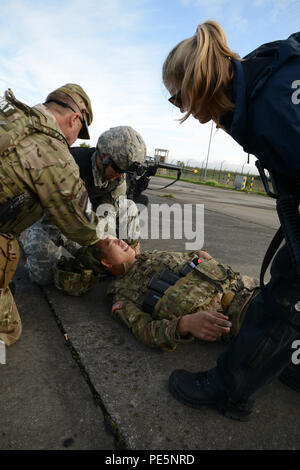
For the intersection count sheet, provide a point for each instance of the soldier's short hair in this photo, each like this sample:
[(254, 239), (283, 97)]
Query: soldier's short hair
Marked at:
[(64, 98)]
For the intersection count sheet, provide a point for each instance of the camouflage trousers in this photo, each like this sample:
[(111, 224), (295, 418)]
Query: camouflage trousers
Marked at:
[(44, 242), (10, 322)]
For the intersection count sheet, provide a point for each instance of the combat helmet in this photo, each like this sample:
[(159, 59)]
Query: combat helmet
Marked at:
[(125, 149), (73, 278)]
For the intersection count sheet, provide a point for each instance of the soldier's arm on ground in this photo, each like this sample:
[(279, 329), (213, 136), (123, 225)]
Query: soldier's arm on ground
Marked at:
[(208, 325), (160, 334)]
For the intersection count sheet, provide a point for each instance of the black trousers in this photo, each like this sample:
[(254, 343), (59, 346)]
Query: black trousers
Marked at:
[(263, 347)]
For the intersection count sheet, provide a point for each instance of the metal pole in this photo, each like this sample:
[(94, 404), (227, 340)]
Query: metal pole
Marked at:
[(220, 170), (243, 167), (212, 125), (202, 167)]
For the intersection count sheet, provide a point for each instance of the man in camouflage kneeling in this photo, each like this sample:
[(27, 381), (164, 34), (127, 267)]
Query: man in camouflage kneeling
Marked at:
[(35, 159), (119, 150)]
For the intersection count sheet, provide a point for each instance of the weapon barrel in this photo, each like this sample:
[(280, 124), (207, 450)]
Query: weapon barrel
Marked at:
[(170, 166)]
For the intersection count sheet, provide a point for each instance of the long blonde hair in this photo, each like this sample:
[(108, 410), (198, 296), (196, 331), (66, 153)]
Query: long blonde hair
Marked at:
[(201, 68)]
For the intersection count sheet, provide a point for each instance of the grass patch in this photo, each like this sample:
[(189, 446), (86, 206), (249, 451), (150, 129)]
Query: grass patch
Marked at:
[(214, 184)]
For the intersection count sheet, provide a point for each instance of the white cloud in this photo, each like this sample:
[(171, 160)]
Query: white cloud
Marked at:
[(109, 48), (88, 43)]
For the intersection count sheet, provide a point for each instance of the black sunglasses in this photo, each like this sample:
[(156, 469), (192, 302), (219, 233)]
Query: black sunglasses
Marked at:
[(65, 105), (134, 168), (115, 167), (176, 99)]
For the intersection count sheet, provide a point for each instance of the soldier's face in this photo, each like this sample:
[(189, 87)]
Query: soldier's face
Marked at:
[(111, 174), (71, 126), (116, 252)]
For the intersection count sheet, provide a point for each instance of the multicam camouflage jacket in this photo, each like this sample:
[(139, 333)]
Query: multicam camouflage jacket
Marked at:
[(36, 164), (209, 285)]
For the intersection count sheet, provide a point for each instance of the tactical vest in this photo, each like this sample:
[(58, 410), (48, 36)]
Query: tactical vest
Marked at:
[(219, 277), (18, 121), (168, 290)]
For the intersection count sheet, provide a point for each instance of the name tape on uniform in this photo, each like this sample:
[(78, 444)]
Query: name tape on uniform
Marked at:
[(2, 352)]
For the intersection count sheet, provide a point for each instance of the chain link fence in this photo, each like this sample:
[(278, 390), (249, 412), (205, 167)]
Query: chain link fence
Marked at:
[(219, 177)]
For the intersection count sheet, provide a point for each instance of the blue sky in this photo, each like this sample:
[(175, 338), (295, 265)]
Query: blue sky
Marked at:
[(115, 49)]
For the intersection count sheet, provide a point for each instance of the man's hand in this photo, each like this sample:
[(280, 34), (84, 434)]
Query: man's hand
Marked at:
[(204, 255), (207, 325)]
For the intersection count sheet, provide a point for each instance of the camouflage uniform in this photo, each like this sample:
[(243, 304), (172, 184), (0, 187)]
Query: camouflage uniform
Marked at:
[(38, 171), (118, 218), (210, 285), (43, 238), (44, 241)]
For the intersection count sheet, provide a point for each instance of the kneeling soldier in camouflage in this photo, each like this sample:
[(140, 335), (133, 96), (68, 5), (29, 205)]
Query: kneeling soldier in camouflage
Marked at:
[(39, 175), (120, 149), (166, 298)]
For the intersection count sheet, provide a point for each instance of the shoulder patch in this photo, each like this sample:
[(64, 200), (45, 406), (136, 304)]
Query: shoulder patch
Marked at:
[(116, 305)]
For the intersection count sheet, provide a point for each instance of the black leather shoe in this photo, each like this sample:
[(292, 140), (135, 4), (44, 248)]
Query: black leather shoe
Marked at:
[(291, 377), (201, 389)]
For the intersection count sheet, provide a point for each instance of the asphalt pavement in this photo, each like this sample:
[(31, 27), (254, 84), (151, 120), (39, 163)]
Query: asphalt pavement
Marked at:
[(77, 379)]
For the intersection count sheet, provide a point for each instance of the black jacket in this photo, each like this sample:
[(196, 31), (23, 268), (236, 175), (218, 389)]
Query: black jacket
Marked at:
[(266, 118), (83, 158)]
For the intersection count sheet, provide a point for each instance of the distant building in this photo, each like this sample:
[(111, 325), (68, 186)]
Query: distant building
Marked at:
[(161, 155)]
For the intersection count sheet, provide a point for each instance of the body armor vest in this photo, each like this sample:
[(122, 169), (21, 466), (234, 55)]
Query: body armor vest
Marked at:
[(18, 121)]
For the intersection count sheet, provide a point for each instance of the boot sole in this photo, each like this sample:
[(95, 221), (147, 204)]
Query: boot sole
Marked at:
[(226, 410)]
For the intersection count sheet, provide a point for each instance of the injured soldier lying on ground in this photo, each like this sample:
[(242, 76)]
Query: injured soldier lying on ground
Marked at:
[(166, 298)]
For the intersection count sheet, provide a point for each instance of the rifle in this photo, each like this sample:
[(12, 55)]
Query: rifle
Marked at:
[(152, 167), (11, 208), (287, 195)]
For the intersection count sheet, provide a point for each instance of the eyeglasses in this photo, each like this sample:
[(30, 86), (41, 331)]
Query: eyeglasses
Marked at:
[(176, 99), (66, 105), (133, 168), (115, 167)]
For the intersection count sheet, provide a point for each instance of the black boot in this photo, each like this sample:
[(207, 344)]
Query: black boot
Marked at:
[(202, 389), (291, 377)]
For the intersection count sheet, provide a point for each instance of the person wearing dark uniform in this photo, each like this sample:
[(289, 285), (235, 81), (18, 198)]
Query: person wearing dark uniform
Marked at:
[(256, 100)]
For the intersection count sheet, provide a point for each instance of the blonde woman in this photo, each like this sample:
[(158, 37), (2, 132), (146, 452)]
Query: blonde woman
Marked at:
[(257, 101)]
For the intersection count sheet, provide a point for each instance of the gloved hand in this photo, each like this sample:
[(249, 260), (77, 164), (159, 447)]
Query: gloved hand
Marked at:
[(87, 256)]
